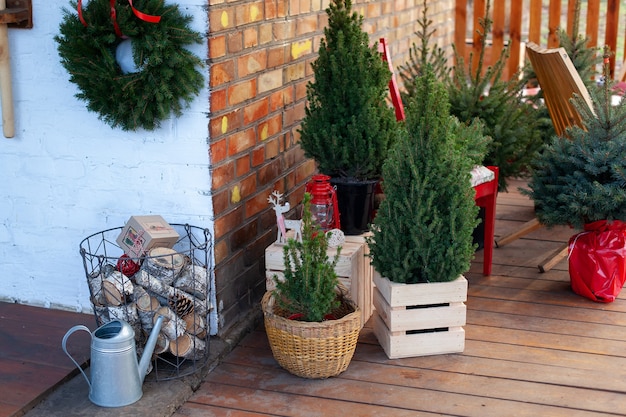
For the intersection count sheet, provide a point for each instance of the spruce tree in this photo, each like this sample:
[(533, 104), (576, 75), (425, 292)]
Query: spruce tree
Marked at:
[(581, 177), (310, 277), (422, 54), (513, 125), (348, 124), (423, 229)]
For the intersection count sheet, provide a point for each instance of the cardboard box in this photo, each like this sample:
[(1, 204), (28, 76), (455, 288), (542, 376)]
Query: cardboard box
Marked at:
[(142, 233)]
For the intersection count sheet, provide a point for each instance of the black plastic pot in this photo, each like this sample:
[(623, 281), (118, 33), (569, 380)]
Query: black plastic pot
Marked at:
[(356, 204)]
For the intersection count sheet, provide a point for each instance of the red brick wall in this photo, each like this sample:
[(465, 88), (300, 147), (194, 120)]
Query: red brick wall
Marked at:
[(260, 53)]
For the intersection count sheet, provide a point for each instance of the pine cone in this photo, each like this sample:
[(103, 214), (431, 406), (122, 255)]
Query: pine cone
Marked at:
[(181, 305)]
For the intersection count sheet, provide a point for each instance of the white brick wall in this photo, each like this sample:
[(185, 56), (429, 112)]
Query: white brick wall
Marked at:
[(67, 175)]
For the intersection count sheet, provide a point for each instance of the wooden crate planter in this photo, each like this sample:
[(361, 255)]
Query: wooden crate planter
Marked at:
[(353, 269), (419, 319)]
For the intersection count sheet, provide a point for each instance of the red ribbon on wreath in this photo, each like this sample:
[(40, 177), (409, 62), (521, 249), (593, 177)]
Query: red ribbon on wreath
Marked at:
[(143, 16)]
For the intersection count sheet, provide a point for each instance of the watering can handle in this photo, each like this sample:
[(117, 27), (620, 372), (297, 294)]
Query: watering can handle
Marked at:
[(64, 346)]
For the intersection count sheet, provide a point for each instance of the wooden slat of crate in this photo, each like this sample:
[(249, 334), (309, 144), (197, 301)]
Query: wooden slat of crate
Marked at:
[(404, 345), (345, 264), (280, 275), (401, 319), (364, 284), (399, 295)]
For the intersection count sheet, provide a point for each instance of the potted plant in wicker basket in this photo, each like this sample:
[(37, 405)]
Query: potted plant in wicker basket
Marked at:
[(348, 125), (580, 180), (421, 241), (311, 323)]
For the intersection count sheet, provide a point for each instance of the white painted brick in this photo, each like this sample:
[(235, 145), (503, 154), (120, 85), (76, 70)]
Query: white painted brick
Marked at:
[(67, 175)]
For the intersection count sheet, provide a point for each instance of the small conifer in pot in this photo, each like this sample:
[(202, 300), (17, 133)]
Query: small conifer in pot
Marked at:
[(309, 287), (423, 229)]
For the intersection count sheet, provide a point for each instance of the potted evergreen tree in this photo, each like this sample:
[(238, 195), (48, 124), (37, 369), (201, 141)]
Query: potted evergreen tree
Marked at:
[(580, 180), (478, 92), (311, 323), (422, 235), (348, 125)]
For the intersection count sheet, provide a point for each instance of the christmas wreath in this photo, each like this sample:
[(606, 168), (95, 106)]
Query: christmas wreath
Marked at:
[(96, 42)]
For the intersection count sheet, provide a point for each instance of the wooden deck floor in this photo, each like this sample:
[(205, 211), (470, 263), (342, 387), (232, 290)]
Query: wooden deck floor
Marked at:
[(32, 362), (533, 348)]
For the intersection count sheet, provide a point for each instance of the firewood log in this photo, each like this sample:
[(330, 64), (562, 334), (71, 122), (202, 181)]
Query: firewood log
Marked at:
[(117, 288), (164, 264), (167, 291), (173, 326), (147, 305), (162, 344), (188, 346), (194, 279), (196, 324)]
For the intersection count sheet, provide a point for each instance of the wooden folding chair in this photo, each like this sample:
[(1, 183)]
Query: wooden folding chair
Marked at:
[(559, 81)]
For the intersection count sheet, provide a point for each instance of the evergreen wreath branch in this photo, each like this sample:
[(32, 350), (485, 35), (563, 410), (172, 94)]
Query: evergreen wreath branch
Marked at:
[(167, 80)]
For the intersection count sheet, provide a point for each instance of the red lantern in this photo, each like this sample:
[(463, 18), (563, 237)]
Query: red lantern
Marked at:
[(324, 207)]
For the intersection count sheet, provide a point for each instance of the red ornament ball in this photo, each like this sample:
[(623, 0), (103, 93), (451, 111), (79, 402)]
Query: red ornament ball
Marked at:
[(127, 266)]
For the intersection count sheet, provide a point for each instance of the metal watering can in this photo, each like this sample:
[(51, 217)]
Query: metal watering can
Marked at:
[(116, 377)]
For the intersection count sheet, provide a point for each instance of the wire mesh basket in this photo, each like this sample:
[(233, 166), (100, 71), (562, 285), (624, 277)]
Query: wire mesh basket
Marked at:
[(171, 282)]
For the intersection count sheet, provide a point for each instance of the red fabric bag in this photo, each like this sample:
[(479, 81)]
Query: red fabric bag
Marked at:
[(597, 260)]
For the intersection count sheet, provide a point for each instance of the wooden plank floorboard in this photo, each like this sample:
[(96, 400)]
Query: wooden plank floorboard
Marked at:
[(31, 358), (281, 402), (510, 217), (525, 253), (563, 296), (386, 386), (22, 378), (445, 372), (551, 370), (606, 365), (191, 409), (256, 354), (544, 325), (532, 310), (516, 271), (546, 340)]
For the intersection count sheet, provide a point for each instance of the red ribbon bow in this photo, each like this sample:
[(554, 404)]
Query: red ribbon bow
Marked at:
[(143, 16)]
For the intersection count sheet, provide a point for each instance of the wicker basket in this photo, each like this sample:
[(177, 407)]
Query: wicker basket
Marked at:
[(312, 349)]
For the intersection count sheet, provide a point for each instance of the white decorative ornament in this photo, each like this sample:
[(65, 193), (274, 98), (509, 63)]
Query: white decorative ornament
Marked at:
[(335, 237), (124, 57), (284, 224)]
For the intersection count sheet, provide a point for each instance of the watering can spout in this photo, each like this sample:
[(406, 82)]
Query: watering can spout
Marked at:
[(146, 357)]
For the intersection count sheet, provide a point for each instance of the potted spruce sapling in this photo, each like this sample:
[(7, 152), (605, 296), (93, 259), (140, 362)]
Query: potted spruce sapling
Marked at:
[(348, 125), (478, 91), (311, 323), (421, 241), (580, 180)]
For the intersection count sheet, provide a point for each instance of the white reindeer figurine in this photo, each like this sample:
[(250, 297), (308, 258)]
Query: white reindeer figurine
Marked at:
[(284, 224)]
